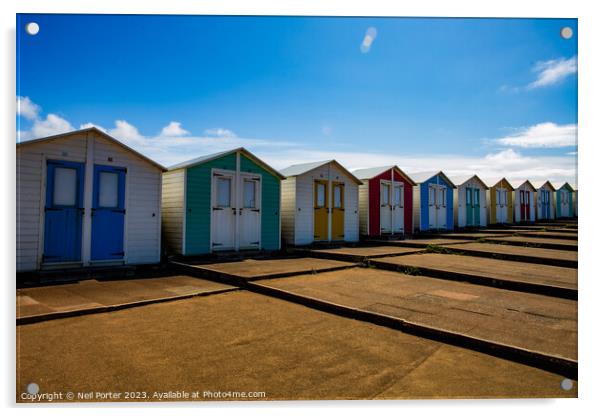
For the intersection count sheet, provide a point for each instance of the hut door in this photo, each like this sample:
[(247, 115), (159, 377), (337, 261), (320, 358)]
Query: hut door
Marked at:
[(432, 205), (469, 207), (442, 207), (476, 207), (108, 213), (223, 211), (320, 210), (63, 212), (338, 211), (501, 211), (545, 204), (250, 212), (523, 215), (385, 207), (527, 206), (398, 208)]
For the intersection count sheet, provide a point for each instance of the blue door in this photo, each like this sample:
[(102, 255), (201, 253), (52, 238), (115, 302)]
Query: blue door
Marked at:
[(108, 213), (63, 212)]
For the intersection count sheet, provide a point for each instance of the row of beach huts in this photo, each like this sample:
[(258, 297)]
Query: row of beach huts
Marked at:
[(86, 199)]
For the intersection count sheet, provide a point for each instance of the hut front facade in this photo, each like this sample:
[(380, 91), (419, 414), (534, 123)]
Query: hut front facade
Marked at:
[(433, 201), (499, 201), (86, 199), (544, 192), (524, 202), (470, 201), (319, 203), (385, 201), (228, 201), (564, 200)]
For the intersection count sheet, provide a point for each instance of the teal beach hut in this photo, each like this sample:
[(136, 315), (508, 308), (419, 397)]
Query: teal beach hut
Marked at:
[(228, 201), (564, 200)]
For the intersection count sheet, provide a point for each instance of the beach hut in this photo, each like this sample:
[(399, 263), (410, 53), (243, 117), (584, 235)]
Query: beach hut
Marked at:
[(433, 201), (524, 201), (564, 200), (470, 201), (575, 201), (227, 201), (86, 199), (499, 201), (385, 201), (544, 192), (319, 203)]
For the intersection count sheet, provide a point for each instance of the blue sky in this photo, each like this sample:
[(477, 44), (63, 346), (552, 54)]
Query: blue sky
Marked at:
[(497, 97)]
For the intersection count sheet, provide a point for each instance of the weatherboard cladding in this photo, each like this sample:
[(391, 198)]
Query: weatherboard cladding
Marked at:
[(298, 223), (565, 187), (370, 199), (502, 183), (142, 232), (463, 182), (539, 187), (524, 186), (421, 207), (197, 236)]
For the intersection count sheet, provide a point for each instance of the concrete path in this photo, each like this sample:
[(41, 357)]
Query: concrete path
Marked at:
[(541, 324), (253, 269), (471, 236), (549, 234), (94, 296), (551, 243), (537, 278), (516, 253), (243, 342), (358, 254), (423, 242)]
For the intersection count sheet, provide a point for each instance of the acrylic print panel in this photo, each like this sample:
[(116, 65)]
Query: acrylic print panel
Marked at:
[(139, 95)]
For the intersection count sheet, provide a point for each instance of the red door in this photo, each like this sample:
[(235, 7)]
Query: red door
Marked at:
[(522, 206), (527, 205)]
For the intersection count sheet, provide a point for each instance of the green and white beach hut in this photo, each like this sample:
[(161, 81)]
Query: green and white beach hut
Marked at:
[(227, 201)]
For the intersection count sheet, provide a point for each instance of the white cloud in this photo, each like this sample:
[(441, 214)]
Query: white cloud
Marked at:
[(368, 40), (220, 132), (88, 125), (174, 129), (27, 108), (50, 126), (127, 133), (553, 72), (542, 135)]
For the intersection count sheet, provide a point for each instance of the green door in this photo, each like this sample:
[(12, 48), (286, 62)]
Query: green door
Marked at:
[(476, 207), (469, 207)]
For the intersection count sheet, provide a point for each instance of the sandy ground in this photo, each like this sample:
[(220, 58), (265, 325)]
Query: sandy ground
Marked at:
[(239, 341)]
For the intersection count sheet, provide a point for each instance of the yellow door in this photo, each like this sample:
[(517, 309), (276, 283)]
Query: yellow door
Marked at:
[(320, 210), (338, 211)]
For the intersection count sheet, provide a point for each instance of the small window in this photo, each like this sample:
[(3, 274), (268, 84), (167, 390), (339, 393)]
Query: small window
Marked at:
[(108, 189), (442, 191), (65, 187), (468, 196), (337, 195), (522, 197), (527, 197), (224, 186), (477, 197), (398, 197), (320, 194), (249, 192), (431, 195), (384, 194)]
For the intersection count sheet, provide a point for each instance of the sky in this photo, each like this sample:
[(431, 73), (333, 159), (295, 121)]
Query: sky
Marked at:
[(495, 97)]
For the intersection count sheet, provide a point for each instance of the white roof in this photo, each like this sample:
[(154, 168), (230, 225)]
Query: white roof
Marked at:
[(420, 177), (462, 179), (539, 184), (516, 184), (369, 173), (302, 168)]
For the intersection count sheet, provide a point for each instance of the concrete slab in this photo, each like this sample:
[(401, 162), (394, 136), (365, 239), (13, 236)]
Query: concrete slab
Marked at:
[(47, 302), (549, 234), (470, 236), (358, 254), (516, 253), (254, 269), (423, 242), (527, 277), (243, 342), (551, 243), (537, 323)]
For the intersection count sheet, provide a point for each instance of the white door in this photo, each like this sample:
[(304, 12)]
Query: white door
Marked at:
[(250, 212), (501, 211), (442, 207), (398, 207), (432, 206), (385, 207), (223, 211)]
